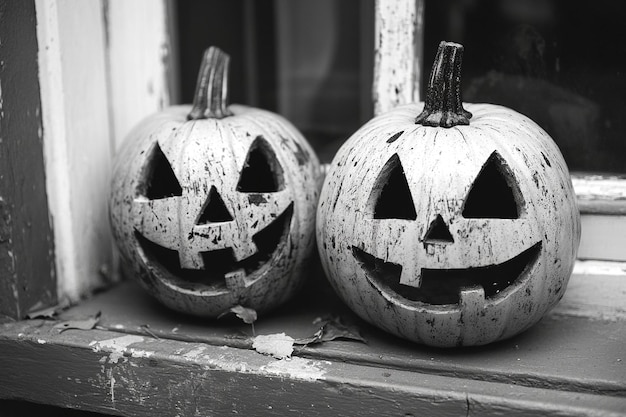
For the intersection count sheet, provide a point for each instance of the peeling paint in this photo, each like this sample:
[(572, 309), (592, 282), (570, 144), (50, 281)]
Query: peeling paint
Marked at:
[(112, 382), (297, 368), (195, 353), (226, 362), (118, 346)]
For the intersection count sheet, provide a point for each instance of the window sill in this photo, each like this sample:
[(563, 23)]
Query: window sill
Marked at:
[(142, 358)]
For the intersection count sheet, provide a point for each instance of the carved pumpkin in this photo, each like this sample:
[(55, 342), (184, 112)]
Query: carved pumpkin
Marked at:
[(454, 228), (214, 206)]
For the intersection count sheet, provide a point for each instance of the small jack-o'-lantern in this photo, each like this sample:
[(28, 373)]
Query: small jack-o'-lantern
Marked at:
[(214, 206), (454, 228)]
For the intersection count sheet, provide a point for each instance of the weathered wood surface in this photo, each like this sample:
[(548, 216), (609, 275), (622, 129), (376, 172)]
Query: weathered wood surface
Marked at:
[(76, 140), (570, 349), (603, 237), (602, 203), (597, 290), (399, 26), (103, 66), (25, 231), (600, 194), (557, 368), (139, 61)]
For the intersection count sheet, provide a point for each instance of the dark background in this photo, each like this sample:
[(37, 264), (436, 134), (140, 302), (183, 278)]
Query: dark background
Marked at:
[(560, 63)]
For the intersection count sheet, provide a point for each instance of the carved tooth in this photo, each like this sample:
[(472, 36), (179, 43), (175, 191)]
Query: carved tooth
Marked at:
[(472, 298), (235, 280)]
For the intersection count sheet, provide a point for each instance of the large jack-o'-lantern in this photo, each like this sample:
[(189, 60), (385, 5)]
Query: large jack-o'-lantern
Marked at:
[(214, 206), (454, 228)]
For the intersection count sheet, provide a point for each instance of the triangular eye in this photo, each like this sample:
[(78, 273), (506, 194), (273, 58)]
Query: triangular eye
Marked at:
[(495, 193), (261, 171), (391, 196), (438, 232), (161, 182), (214, 209)]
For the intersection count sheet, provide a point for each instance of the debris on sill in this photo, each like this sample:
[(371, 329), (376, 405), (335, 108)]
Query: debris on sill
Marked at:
[(83, 324), (281, 346)]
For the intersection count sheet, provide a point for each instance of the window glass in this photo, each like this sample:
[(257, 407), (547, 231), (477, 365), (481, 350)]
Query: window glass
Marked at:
[(562, 63), (310, 61)]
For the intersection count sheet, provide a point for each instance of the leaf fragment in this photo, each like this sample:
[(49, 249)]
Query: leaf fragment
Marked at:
[(146, 328), (84, 324), (331, 329), (248, 315), (48, 312)]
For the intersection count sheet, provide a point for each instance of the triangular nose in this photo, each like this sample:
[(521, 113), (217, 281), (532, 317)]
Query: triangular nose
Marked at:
[(215, 210), (438, 232)]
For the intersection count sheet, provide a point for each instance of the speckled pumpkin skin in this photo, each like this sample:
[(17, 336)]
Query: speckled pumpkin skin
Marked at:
[(440, 166), (211, 153)]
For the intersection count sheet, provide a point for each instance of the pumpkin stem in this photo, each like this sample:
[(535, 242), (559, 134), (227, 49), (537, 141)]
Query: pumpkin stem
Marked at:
[(443, 106), (211, 98)]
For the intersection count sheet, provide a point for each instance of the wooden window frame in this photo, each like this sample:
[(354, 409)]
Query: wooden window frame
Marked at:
[(88, 112), (94, 89), (130, 76)]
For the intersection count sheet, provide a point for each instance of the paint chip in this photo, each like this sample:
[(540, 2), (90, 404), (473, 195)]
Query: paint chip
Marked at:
[(195, 353), (278, 345), (118, 346), (297, 368)]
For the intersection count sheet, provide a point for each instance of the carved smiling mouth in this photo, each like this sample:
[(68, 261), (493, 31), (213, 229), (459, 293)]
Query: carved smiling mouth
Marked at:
[(220, 262), (444, 286)]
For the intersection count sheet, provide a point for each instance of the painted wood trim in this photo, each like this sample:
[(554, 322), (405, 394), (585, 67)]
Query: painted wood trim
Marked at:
[(123, 374), (602, 203), (95, 88), (531, 359), (138, 54), (603, 237), (76, 140), (596, 290), (27, 271), (600, 194), (399, 27), (366, 57)]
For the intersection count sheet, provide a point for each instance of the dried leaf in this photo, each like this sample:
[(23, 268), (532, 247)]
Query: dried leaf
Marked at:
[(48, 312), (85, 324), (332, 329), (146, 328), (248, 315), (45, 313)]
